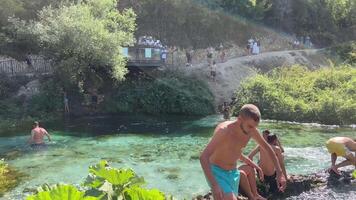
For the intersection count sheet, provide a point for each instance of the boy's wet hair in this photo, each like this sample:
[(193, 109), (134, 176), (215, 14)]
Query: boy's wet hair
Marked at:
[(267, 132), (250, 111), (271, 138)]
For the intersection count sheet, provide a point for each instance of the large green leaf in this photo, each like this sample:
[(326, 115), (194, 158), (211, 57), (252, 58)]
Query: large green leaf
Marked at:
[(117, 177), (60, 192), (137, 193)]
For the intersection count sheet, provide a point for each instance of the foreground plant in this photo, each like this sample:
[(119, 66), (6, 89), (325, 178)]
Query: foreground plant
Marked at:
[(60, 192), (110, 183), (102, 183), (9, 178)]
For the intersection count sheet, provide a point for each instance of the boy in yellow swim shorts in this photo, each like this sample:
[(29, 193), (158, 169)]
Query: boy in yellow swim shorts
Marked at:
[(341, 146)]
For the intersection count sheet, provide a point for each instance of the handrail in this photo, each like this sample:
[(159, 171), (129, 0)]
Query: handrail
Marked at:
[(13, 67)]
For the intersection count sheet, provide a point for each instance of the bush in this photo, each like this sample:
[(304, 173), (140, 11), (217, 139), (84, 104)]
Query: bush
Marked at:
[(297, 94), (167, 94), (345, 52), (49, 101), (9, 86)]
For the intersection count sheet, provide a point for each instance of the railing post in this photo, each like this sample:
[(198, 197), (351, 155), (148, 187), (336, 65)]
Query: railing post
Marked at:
[(12, 67)]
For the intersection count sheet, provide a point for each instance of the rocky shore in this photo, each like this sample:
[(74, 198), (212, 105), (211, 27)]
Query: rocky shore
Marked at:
[(298, 184)]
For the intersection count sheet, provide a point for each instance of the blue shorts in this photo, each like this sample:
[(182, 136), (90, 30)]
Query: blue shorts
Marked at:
[(228, 180)]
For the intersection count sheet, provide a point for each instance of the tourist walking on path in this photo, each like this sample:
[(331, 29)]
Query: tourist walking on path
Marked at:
[(220, 156), (213, 71), (189, 55), (209, 56), (344, 147)]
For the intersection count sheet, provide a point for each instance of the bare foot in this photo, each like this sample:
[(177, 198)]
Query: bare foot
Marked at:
[(334, 170)]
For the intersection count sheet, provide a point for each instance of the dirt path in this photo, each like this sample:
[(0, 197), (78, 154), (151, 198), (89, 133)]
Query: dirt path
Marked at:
[(231, 73)]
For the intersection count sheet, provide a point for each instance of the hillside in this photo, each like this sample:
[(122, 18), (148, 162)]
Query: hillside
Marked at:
[(231, 73)]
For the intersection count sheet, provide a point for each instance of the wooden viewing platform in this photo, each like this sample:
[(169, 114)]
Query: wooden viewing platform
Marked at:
[(147, 57), (144, 56)]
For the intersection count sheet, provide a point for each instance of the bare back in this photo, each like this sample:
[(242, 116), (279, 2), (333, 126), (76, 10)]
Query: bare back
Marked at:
[(230, 143), (38, 135), (265, 163)]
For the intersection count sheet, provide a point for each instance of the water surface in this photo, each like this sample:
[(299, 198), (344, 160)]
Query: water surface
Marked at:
[(163, 150)]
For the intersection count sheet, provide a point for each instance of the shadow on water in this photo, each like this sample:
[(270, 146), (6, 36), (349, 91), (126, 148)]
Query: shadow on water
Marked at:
[(109, 124)]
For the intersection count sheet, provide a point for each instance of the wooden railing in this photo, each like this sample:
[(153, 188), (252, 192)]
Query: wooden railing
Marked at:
[(13, 67)]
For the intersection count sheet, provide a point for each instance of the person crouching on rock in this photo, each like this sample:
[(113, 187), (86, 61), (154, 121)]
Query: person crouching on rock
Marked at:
[(341, 146)]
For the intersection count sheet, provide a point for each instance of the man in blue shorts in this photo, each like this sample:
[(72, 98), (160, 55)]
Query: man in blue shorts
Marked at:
[(220, 156)]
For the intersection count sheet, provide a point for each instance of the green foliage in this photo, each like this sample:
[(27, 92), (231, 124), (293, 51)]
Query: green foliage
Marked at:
[(48, 101), (134, 193), (325, 21), (9, 178), (10, 85), (111, 183), (60, 192), (346, 52), (103, 183), (84, 40), (186, 23), (166, 94), (298, 94)]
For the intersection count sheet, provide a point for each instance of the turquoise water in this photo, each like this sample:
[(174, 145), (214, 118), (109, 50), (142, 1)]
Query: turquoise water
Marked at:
[(163, 150)]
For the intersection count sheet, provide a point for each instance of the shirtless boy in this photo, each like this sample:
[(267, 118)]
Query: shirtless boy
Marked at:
[(341, 146), (37, 135), (265, 163), (219, 158)]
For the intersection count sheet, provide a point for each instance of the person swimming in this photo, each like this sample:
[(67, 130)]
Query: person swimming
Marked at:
[(37, 134)]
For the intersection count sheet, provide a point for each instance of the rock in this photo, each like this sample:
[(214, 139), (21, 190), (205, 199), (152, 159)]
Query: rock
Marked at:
[(298, 184), (31, 89)]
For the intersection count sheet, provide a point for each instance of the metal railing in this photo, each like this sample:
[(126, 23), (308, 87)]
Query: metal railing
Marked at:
[(13, 67), (144, 56)]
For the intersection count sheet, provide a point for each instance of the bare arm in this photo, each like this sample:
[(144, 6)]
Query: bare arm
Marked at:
[(47, 134), (263, 144), (281, 160), (248, 161), (30, 140), (254, 152), (280, 146), (204, 158)]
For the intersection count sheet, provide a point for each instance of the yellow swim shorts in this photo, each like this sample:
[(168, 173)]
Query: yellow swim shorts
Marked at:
[(339, 149)]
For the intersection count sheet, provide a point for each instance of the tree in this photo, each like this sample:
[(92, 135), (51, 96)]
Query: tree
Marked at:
[(84, 40)]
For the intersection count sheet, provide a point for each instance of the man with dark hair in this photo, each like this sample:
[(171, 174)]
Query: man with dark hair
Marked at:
[(37, 135), (268, 168), (220, 156)]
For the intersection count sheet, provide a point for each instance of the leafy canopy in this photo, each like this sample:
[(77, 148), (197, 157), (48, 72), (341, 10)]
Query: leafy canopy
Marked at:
[(84, 40)]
